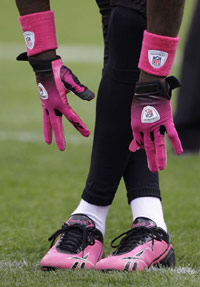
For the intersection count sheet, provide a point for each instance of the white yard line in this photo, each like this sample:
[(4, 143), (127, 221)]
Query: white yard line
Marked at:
[(70, 53), (24, 263), (177, 270), (185, 270), (25, 136)]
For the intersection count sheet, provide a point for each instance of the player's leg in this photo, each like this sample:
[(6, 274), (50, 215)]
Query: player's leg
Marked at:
[(111, 158), (110, 154), (112, 133), (145, 198), (187, 119), (142, 185)]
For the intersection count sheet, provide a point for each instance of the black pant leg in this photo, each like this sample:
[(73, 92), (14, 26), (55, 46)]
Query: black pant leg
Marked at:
[(110, 154), (139, 180), (105, 10)]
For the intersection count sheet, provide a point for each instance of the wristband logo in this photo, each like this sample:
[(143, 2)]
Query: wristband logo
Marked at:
[(149, 115), (29, 39), (157, 58), (42, 91)]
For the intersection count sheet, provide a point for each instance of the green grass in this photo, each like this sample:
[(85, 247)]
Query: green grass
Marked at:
[(31, 276), (41, 186)]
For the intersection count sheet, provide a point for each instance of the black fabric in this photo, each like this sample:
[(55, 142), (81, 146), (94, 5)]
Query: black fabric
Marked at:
[(38, 65), (137, 5), (111, 159), (187, 118), (105, 9), (22, 57), (42, 66), (156, 89)]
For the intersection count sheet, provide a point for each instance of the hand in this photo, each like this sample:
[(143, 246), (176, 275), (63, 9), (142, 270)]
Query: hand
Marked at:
[(151, 116), (54, 81)]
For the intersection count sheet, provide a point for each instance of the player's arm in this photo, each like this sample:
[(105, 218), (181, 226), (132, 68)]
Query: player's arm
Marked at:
[(54, 80), (32, 6), (151, 108), (26, 7), (163, 18)]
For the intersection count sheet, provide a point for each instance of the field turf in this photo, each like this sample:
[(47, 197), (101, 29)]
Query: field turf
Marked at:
[(40, 186)]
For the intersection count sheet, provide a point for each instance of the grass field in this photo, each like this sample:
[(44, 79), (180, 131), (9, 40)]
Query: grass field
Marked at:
[(41, 186)]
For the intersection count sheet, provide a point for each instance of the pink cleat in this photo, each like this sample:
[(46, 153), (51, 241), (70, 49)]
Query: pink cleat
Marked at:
[(143, 246), (80, 245)]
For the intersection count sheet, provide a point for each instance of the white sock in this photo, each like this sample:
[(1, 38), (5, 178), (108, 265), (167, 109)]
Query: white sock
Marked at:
[(149, 207), (97, 213)]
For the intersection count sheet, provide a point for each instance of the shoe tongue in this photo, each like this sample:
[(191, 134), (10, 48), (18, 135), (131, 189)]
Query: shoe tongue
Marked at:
[(143, 222), (81, 220)]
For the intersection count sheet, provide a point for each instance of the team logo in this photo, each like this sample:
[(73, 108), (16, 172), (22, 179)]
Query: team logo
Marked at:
[(149, 115), (156, 61), (132, 261), (157, 58), (29, 39), (42, 91), (79, 261)]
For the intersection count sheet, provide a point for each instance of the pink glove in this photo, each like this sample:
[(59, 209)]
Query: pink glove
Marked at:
[(151, 116), (54, 81)]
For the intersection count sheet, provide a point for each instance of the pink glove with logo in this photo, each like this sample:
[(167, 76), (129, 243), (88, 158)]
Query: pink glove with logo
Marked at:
[(151, 116), (54, 81)]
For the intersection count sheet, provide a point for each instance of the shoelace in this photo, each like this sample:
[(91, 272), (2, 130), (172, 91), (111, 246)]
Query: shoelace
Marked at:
[(134, 237), (73, 237)]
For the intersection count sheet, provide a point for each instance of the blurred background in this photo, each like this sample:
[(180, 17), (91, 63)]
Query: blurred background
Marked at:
[(40, 186)]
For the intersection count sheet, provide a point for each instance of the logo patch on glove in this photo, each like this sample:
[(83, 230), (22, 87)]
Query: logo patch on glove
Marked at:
[(149, 115), (157, 58), (29, 39), (42, 91)]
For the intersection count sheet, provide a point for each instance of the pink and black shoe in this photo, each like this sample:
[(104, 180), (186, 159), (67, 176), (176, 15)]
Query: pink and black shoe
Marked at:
[(80, 245), (143, 246)]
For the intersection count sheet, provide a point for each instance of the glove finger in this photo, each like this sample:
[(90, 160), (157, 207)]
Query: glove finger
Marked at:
[(72, 83), (174, 138), (160, 146), (150, 152), (74, 119), (47, 128), (56, 122), (134, 146)]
